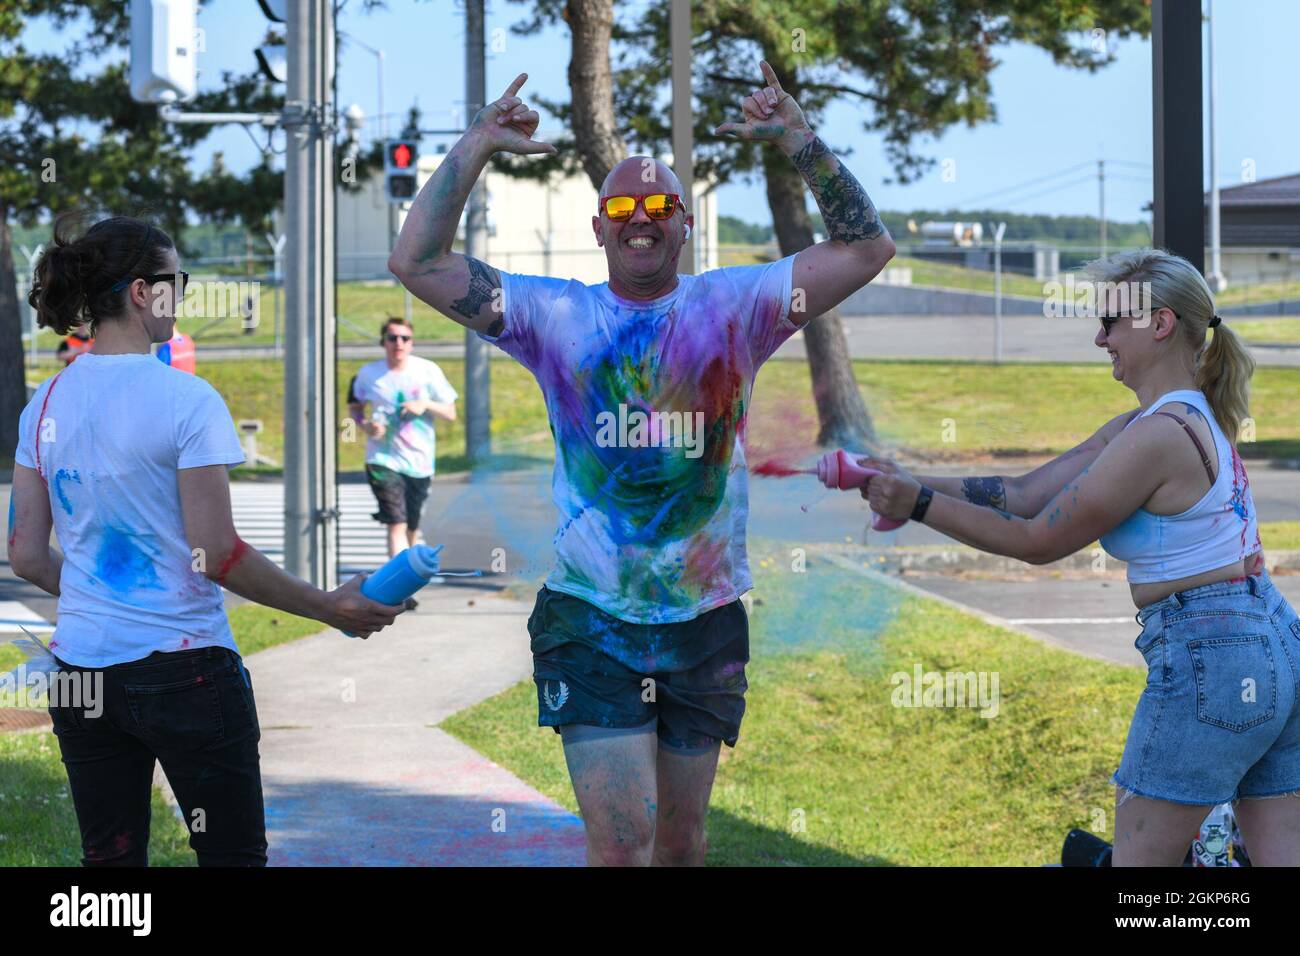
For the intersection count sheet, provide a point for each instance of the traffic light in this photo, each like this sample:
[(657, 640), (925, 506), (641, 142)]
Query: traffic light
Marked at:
[(401, 160)]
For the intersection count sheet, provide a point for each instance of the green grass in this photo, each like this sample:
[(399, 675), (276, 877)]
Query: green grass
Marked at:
[(1280, 535), (965, 409), (879, 784), (1270, 332), (361, 308), (38, 826), (254, 389), (945, 276), (256, 627), (1238, 294)]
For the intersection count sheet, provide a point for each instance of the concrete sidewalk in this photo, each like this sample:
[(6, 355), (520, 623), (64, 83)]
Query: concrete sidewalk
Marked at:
[(356, 773)]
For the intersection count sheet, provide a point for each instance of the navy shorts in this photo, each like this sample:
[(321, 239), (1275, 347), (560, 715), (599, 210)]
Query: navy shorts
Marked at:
[(594, 669), (401, 497)]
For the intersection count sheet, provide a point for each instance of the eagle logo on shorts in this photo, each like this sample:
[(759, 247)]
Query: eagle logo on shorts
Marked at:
[(558, 701)]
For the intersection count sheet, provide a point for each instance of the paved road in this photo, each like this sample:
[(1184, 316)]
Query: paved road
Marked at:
[(1088, 613), (354, 770)]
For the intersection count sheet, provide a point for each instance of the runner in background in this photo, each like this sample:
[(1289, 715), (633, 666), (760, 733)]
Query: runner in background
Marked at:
[(405, 394)]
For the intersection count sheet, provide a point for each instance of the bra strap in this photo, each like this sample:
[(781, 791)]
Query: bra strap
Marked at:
[(1205, 459)]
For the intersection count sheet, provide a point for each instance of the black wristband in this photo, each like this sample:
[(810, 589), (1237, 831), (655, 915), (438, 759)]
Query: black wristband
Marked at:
[(922, 504)]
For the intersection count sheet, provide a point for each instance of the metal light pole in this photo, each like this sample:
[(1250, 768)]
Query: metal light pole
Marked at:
[(998, 230), (478, 407), (1101, 202), (1217, 280), (310, 495)]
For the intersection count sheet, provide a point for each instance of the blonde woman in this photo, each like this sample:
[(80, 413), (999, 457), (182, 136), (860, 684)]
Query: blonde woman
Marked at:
[(1164, 489)]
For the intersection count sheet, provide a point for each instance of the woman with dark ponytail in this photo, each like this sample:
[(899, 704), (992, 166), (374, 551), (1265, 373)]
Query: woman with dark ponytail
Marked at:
[(126, 460), (1164, 489)]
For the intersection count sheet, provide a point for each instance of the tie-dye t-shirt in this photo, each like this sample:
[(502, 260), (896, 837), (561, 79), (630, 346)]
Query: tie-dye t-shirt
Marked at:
[(647, 402), (408, 443), (108, 435)]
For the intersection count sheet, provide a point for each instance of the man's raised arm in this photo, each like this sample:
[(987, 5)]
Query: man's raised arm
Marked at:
[(460, 287), (859, 245)]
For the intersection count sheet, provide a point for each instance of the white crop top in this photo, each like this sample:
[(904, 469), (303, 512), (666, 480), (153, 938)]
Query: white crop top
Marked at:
[(1219, 529)]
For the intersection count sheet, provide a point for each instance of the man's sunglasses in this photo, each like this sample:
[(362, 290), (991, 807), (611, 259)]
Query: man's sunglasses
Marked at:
[(181, 279), (397, 338), (656, 205)]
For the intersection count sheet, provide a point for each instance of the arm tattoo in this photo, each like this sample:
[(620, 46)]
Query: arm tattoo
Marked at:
[(845, 207), (985, 491), (483, 284)]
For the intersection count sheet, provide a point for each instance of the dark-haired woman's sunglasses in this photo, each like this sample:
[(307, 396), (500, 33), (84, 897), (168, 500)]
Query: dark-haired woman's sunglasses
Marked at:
[(181, 279)]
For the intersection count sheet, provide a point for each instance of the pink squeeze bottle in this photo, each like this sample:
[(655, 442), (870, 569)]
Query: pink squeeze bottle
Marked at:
[(838, 469)]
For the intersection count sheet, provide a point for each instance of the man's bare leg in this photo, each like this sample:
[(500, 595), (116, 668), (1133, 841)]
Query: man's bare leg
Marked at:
[(684, 784), (613, 774), (396, 533)]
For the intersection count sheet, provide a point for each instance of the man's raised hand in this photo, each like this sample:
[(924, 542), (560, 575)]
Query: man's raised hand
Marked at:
[(508, 124), (770, 114)]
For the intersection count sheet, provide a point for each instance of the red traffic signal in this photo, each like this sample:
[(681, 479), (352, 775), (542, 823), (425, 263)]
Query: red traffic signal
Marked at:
[(401, 154)]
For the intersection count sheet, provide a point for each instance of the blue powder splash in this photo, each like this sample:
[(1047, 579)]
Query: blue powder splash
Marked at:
[(823, 608), (123, 565), (60, 477)]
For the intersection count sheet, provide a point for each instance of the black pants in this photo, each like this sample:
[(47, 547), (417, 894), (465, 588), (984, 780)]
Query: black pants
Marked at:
[(193, 711)]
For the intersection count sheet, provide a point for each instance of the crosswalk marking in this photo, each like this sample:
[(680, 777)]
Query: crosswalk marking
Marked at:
[(258, 509), (16, 613)]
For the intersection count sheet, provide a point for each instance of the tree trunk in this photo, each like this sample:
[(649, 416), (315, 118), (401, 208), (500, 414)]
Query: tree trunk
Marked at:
[(13, 374), (842, 415), (591, 23)]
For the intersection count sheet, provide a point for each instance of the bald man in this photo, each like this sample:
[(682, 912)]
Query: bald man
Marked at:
[(639, 639)]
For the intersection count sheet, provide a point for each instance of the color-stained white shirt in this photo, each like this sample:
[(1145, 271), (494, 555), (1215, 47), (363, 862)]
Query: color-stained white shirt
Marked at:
[(648, 403), (108, 435), (408, 445)]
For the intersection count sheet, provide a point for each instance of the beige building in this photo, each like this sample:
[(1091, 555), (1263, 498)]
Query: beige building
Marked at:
[(533, 228)]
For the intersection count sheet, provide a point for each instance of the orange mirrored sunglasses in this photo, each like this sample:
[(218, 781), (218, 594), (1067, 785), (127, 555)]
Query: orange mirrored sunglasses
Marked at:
[(657, 206)]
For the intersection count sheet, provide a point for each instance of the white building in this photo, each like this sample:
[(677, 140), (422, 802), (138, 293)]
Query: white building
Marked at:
[(533, 228)]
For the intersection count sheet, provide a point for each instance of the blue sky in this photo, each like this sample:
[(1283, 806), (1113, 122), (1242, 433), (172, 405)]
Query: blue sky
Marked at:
[(1049, 118)]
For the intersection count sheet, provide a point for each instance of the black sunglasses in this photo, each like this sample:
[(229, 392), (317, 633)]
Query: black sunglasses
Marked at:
[(397, 338), (182, 278), (1108, 321)]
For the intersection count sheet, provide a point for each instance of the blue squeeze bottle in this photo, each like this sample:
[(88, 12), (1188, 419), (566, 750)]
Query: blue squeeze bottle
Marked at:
[(402, 576)]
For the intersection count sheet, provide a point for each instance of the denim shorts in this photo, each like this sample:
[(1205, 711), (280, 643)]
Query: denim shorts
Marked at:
[(1219, 718)]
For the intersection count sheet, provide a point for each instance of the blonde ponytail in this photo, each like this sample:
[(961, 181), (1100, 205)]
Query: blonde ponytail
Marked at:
[(1223, 371)]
